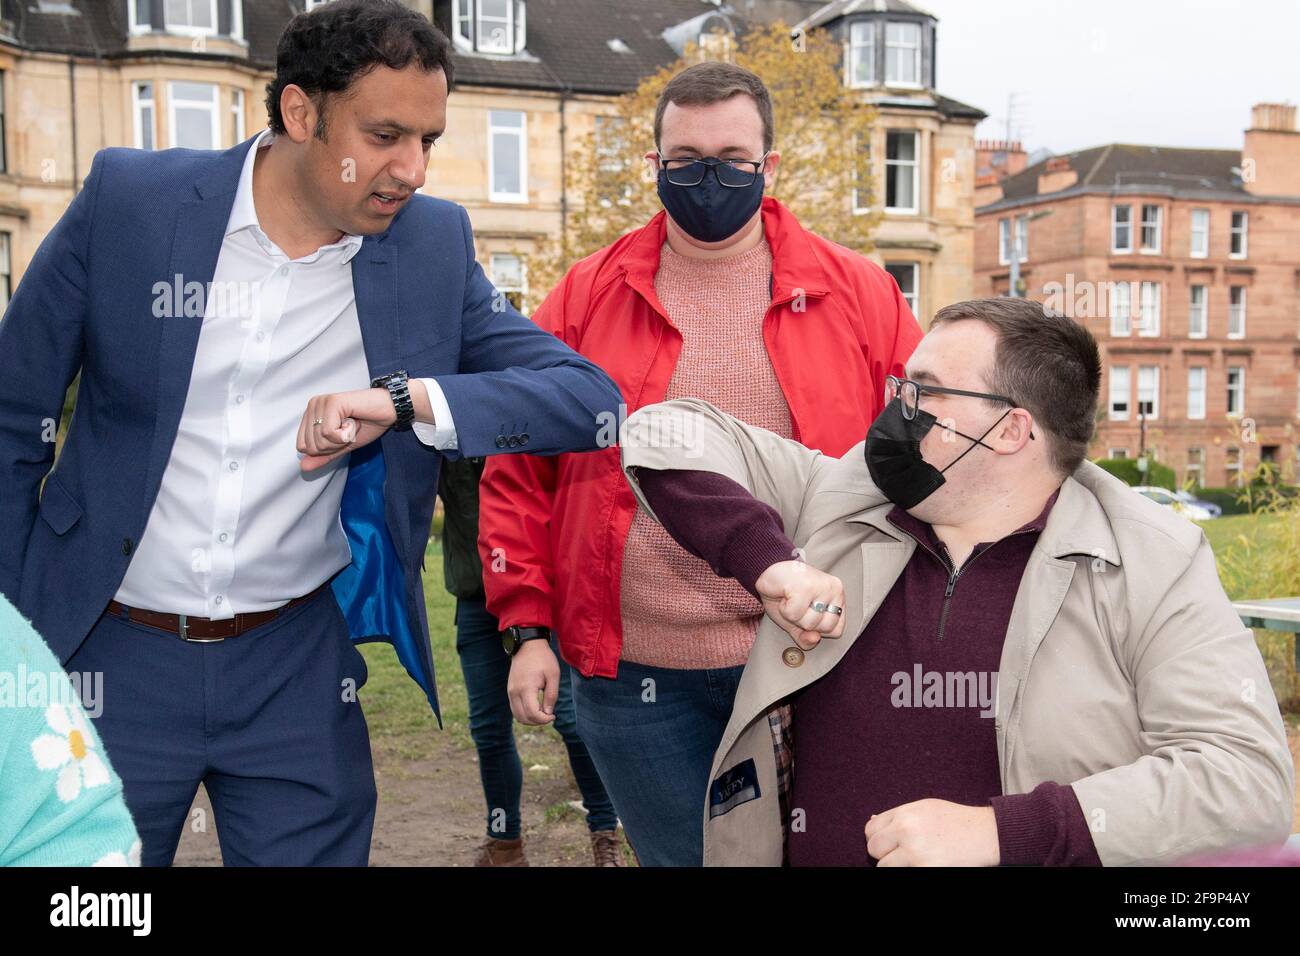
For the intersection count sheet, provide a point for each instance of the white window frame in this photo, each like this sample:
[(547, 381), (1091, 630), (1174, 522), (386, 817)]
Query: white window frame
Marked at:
[(137, 107), (1197, 386), (462, 18), (522, 288), (1233, 462), (1153, 381), (916, 54), (480, 42), (134, 7), (1120, 453), (1195, 465), (1234, 231), (1202, 250), (6, 269), (1239, 390), (914, 163), (192, 31), (913, 298), (1120, 374), (1156, 226), (237, 113), (1193, 311), (213, 108), (1114, 226), (855, 57), (1004, 238), (1121, 309), (1237, 313), (521, 133), (1149, 306)]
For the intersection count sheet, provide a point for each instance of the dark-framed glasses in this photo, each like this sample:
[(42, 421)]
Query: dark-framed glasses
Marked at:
[(735, 173), (909, 394)]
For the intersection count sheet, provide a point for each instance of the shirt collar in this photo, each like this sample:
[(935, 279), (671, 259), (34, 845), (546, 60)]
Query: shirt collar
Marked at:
[(243, 214)]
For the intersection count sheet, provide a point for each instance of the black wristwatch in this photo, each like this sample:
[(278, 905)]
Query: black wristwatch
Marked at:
[(399, 390), (513, 638)]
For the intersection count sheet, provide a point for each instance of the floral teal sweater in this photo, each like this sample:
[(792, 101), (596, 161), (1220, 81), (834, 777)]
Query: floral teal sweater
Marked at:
[(60, 802)]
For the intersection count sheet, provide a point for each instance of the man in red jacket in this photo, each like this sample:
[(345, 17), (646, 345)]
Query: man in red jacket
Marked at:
[(724, 297)]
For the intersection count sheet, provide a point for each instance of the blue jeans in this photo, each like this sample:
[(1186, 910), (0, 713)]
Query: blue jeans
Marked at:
[(652, 732), (487, 670)]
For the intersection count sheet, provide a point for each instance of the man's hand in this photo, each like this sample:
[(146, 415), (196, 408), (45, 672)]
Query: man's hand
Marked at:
[(934, 833), (350, 420), (534, 671), (788, 589)]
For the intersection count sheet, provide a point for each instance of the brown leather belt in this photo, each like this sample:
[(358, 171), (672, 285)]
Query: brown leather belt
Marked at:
[(204, 630)]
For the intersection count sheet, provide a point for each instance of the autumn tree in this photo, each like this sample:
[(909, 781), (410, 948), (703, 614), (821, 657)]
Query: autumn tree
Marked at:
[(822, 130)]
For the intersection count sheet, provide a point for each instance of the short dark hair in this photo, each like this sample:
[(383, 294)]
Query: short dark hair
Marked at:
[(1044, 362), (713, 82), (327, 50)]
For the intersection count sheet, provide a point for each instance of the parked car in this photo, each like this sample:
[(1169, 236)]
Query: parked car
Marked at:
[(1195, 510), (1186, 497)]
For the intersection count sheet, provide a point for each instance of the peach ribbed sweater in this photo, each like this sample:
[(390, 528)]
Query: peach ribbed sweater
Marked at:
[(676, 612)]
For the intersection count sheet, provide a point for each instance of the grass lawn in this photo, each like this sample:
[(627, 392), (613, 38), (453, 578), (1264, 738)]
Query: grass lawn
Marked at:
[(415, 761), (398, 713), (1236, 535)]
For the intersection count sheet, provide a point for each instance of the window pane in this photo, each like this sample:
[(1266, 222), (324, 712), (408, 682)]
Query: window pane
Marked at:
[(905, 274), (194, 128), (901, 146), (1200, 232), (899, 187), (511, 119), (1196, 393), (505, 163), (1121, 308), (197, 92), (1119, 391), (863, 53), (902, 52), (507, 272)]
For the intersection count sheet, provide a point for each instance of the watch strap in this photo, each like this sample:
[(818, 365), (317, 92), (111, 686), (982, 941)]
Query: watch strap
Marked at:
[(399, 390)]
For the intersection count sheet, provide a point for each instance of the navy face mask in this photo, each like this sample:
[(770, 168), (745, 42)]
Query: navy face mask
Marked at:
[(710, 211), (893, 452)]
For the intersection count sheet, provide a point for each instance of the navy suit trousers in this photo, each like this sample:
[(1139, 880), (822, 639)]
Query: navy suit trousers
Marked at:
[(268, 721)]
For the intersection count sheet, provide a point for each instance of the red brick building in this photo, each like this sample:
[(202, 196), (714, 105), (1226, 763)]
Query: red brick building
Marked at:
[(1185, 263)]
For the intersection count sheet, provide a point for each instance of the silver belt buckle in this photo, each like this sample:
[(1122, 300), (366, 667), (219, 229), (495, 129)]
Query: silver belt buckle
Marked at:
[(185, 633)]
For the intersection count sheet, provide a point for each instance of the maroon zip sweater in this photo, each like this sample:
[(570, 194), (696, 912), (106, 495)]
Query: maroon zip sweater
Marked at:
[(907, 713)]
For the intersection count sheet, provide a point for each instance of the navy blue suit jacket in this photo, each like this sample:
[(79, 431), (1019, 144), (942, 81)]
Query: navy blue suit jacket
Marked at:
[(85, 304)]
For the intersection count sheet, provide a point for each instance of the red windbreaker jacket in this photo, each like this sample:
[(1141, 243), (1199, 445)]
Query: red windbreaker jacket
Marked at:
[(551, 529)]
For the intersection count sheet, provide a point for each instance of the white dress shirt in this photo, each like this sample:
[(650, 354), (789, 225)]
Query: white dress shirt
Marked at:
[(237, 527)]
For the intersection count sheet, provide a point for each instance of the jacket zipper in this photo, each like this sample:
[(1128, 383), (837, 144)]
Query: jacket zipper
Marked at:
[(953, 572)]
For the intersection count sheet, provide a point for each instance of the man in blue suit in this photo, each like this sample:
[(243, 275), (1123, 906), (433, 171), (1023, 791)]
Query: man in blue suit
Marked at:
[(228, 311)]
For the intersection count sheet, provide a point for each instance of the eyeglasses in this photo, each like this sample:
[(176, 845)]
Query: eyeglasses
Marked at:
[(735, 173), (909, 393)]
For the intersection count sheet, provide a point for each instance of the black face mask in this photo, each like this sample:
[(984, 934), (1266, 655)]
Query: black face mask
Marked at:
[(710, 211), (894, 459)]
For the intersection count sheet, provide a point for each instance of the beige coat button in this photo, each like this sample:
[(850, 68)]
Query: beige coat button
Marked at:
[(792, 656)]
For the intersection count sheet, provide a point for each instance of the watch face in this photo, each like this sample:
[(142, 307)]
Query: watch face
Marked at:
[(509, 642)]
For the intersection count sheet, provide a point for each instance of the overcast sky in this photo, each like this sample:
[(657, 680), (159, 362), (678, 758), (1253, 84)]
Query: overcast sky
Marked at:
[(1087, 72)]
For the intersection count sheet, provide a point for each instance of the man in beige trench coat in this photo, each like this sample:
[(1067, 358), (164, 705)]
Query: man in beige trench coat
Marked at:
[(980, 648)]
